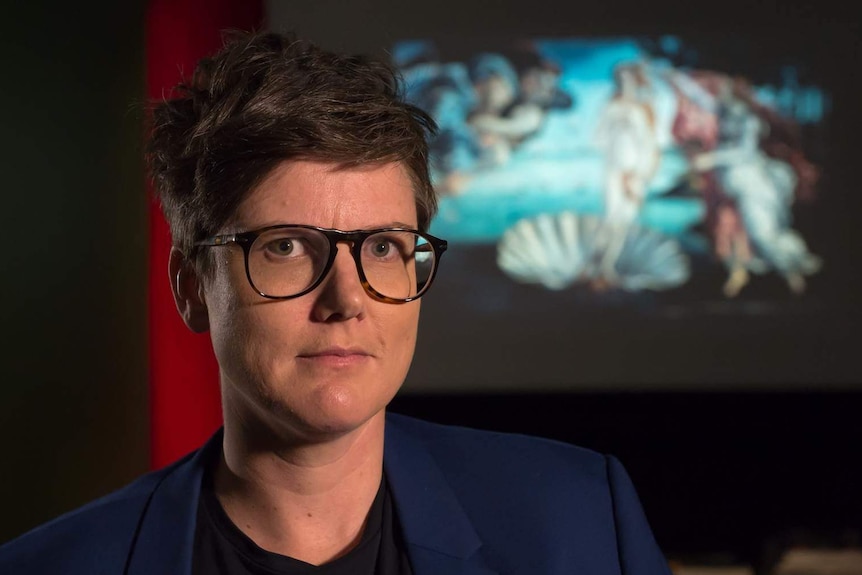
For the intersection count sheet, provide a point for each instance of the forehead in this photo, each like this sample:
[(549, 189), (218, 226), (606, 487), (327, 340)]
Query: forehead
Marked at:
[(326, 194)]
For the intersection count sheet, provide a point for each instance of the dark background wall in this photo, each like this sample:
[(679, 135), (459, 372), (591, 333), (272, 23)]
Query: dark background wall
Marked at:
[(73, 402), (718, 472)]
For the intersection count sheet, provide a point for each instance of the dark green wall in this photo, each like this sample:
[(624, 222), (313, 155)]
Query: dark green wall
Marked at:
[(73, 401)]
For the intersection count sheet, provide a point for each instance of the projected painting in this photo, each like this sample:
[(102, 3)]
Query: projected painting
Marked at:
[(618, 167), (636, 213)]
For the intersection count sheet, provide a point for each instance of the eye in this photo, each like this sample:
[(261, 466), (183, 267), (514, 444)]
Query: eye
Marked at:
[(286, 247), (381, 247), (281, 247), (390, 246)]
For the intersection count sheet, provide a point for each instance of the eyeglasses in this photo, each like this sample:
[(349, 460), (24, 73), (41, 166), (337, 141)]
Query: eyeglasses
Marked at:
[(395, 265)]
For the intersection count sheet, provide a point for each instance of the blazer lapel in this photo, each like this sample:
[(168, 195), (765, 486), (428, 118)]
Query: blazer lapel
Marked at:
[(439, 534), (165, 538)]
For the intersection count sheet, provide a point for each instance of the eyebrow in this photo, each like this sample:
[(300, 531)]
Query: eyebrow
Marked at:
[(390, 224), (397, 224)]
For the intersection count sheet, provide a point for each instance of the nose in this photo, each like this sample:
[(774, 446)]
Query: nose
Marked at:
[(341, 295)]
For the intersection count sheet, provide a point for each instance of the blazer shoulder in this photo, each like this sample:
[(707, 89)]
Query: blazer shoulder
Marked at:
[(573, 506), (94, 538), (502, 454)]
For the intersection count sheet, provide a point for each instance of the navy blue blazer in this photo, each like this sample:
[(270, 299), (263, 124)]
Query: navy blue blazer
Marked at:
[(470, 503)]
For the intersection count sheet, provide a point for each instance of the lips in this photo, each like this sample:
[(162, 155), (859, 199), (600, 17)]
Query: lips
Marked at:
[(336, 352), (335, 358)]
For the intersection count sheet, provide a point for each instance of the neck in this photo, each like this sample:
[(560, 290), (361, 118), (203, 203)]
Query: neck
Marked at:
[(306, 500)]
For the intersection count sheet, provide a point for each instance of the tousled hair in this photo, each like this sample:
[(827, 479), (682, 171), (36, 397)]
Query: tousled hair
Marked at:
[(265, 98)]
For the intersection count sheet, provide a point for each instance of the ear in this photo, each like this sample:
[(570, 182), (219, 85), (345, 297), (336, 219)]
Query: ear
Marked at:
[(188, 293)]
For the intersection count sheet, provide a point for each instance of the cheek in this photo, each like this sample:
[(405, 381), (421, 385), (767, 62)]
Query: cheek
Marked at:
[(405, 324), (255, 346), (242, 324), (222, 305)]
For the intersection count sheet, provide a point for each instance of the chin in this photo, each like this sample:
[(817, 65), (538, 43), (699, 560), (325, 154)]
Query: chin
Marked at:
[(339, 409)]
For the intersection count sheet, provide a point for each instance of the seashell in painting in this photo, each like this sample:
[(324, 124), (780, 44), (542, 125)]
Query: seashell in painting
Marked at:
[(650, 260), (553, 250), (558, 250)]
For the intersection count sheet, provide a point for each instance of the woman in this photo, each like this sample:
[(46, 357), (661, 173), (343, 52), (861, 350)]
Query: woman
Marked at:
[(296, 185)]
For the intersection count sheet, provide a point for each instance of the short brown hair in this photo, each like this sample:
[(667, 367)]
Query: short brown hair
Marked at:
[(265, 98)]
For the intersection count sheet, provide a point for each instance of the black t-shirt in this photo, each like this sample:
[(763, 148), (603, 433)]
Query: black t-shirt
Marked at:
[(220, 547)]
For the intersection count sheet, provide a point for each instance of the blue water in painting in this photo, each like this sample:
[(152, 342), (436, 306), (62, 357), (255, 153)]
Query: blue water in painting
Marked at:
[(559, 168)]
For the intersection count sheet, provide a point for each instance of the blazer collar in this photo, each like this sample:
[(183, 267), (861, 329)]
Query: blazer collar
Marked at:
[(438, 532), (164, 542)]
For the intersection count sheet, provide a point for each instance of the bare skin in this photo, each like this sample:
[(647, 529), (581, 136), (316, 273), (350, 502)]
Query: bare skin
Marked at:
[(305, 381), (306, 502)]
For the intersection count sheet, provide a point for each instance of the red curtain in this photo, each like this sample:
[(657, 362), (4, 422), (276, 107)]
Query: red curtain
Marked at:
[(185, 406)]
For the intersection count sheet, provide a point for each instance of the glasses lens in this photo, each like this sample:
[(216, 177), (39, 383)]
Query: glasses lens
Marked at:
[(286, 261), (397, 264)]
